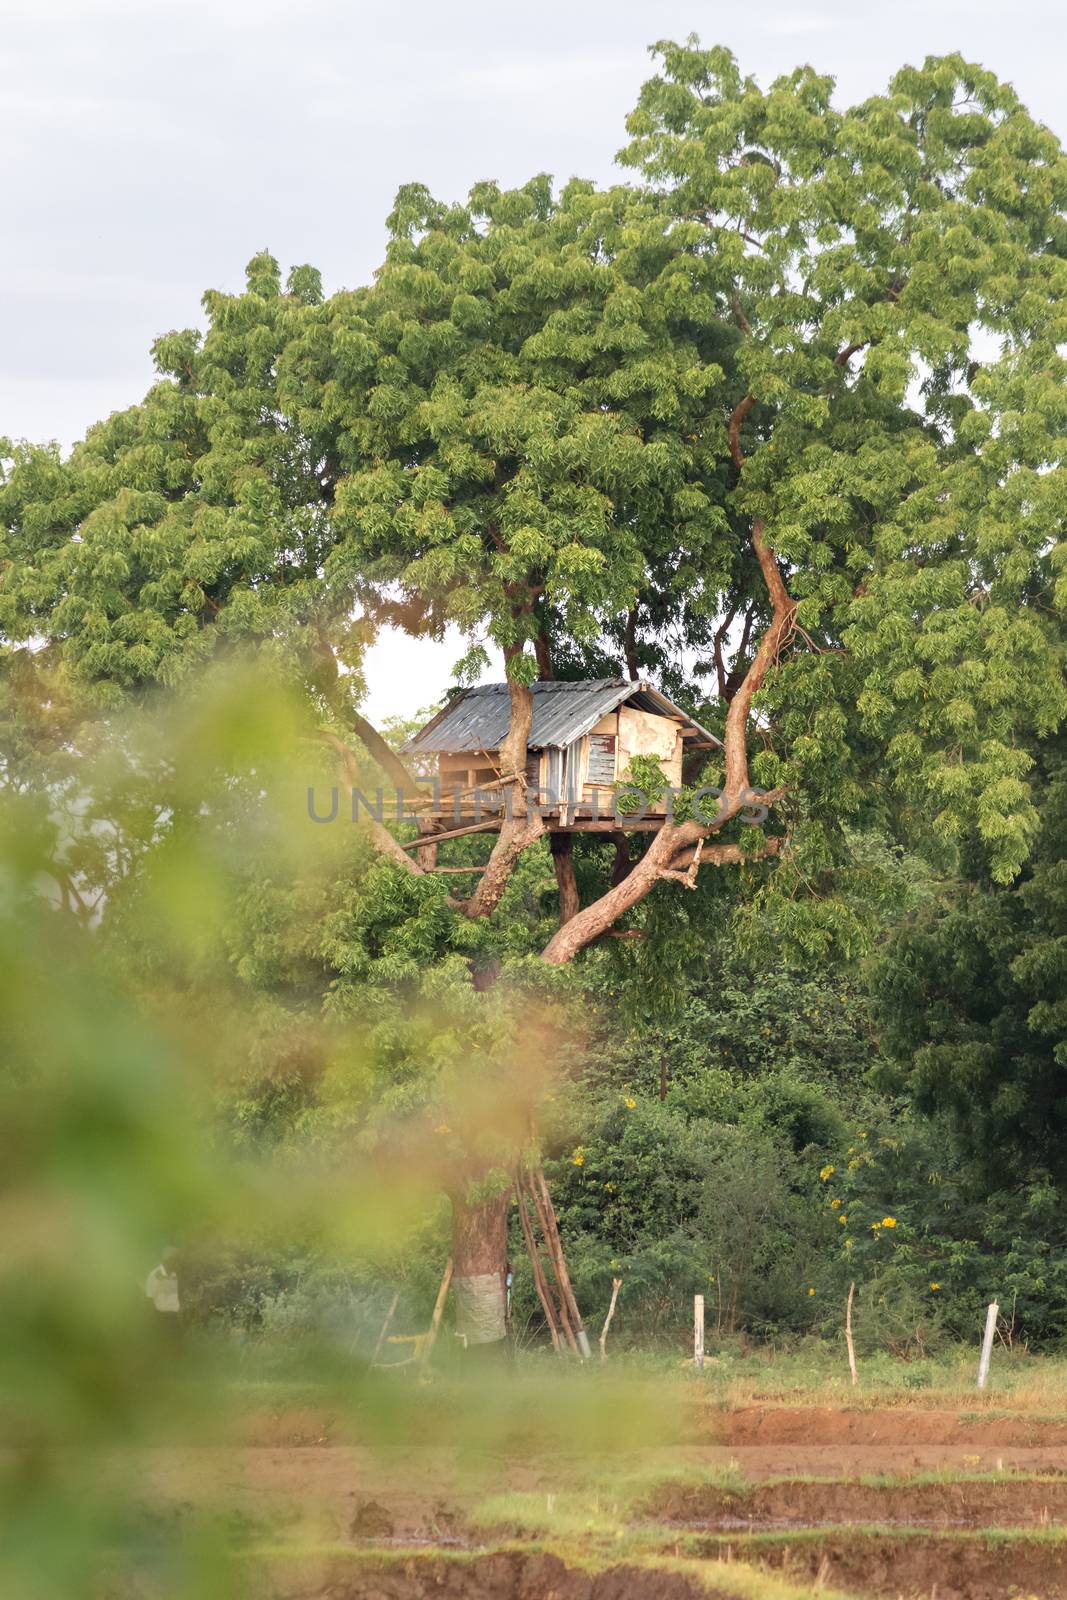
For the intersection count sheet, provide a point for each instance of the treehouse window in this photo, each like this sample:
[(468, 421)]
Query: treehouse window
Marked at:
[(601, 758)]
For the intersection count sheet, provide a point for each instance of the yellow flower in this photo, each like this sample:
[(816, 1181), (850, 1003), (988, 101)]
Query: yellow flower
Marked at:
[(876, 1226), (935, 1287), (442, 1127), (711, 1277), (863, 1136), (826, 1173), (810, 1293), (579, 1157), (848, 1244), (629, 1104), (835, 1202), (889, 1222), (842, 1219)]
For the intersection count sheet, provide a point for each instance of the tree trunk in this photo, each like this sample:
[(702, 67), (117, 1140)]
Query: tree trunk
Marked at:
[(603, 914), (479, 1267), (562, 846)]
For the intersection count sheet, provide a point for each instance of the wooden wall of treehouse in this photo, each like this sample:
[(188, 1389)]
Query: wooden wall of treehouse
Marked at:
[(596, 762)]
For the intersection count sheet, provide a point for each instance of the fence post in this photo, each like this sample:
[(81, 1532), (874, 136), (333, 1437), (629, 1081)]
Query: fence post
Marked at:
[(987, 1343), (698, 1331)]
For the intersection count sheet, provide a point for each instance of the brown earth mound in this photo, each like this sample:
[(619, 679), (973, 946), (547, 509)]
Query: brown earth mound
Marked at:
[(509, 1575), (818, 1425), (1007, 1503), (951, 1569)]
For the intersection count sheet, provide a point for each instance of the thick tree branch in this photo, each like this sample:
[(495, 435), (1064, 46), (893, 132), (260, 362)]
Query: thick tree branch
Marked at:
[(518, 832), (843, 357), (677, 849), (386, 758), (733, 429), (543, 652), (383, 839), (630, 645), (623, 862)]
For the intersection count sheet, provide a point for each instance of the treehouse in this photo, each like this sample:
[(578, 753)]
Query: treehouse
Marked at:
[(582, 741)]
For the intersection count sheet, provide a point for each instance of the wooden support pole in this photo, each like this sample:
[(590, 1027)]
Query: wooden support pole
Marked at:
[(564, 1310), (616, 1285), (559, 1261), (848, 1335), (435, 1321), (987, 1342), (538, 1271), (385, 1326), (698, 1331), (453, 833)]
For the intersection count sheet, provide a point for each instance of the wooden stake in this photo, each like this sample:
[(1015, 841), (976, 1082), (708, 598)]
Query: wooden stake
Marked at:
[(987, 1342), (435, 1321), (385, 1326), (559, 1262), (538, 1271), (564, 1308), (848, 1334), (616, 1285), (698, 1331)]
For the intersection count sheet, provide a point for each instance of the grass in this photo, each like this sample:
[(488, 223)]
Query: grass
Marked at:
[(817, 1374)]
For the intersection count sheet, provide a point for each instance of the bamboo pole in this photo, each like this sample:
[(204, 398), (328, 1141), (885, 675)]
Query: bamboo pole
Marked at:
[(848, 1335), (616, 1285), (538, 1271), (385, 1326), (435, 1321), (559, 1261), (564, 1309), (698, 1331)]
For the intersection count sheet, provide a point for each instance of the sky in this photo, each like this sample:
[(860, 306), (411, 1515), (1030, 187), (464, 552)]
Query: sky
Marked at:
[(152, 146)]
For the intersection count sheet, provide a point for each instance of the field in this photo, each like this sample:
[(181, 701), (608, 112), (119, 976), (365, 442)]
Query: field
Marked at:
[(758, 1477)]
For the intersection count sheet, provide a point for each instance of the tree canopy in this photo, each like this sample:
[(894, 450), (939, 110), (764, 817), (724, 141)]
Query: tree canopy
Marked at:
[(792, 405)]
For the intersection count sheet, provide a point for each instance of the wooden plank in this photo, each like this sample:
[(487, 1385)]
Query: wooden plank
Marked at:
[(601, 764), (579, 825), (455, 833)]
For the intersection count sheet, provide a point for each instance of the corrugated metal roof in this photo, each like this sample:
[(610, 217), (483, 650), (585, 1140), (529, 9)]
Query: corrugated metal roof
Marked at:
[(562, 712)]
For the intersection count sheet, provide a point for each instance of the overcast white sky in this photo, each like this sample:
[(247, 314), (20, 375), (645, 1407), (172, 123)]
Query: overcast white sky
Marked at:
[(152, 146)]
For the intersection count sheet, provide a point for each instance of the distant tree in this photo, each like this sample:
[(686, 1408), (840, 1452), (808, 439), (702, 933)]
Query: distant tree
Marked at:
[(972, 1003)]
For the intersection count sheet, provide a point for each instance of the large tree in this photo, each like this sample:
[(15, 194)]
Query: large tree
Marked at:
[(794, 405)]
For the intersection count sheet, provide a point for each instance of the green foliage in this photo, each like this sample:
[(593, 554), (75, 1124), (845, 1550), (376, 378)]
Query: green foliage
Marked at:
[(911, 480), (973, 997)]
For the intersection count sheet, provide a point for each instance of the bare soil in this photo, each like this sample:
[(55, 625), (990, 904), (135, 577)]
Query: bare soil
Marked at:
[(506, 1575), (400, 1522), (805, 1426), (1006, 1503), (949, 1569)]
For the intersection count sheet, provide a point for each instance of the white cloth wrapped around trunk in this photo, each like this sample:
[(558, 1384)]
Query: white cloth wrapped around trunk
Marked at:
[(480, 1307)]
